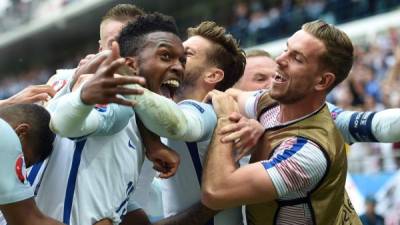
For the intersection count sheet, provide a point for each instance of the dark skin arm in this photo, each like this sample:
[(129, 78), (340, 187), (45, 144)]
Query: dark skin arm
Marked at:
[(165, 160), (25, 212), (197, 214)]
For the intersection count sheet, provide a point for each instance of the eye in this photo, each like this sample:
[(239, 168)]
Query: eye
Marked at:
[(298, 59), (188, 53), (166, 56)]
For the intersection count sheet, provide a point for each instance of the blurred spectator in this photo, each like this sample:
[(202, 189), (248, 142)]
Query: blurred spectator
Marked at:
[(371, 217), (269, 20), (14, 13)]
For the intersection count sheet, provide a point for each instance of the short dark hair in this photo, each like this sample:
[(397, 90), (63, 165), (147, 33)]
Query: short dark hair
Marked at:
[(132, 37), (39, 119), (226, 53), (123, 12)]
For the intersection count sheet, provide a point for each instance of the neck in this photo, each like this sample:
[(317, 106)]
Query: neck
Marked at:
[(191, 92), (299, 109)]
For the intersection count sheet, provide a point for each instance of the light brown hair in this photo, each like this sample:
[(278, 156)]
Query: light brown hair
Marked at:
[(225, 54), (257, 52), (123, 13), (338, 57)]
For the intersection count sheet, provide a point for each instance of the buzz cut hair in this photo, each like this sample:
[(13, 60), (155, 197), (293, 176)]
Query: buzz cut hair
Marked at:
[(123, 13), (132, 37), (38, 118)]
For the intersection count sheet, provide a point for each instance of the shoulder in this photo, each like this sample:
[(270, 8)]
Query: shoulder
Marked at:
[(201, 107), (8, 137)]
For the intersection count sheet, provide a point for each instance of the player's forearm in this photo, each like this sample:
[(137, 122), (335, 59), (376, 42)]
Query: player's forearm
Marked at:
[(219, 165), (383, 126), (197, 214), (161, 115), (72, 118), (386, 125)]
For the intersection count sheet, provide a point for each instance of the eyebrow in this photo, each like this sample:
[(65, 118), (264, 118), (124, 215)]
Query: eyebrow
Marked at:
[(189, 48), (164, 45), (298, 53)]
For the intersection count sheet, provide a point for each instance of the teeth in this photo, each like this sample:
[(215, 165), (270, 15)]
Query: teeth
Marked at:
[(279, 77), (172, 83)]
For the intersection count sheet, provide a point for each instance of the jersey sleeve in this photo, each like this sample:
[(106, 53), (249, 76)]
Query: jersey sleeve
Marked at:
[(251, 104), (73, 119), (14, 186), (202, 120), (297, 165), (354, 126)]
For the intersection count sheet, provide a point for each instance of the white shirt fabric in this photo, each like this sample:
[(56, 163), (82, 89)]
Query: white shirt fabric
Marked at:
[(184, 189), (14, 186), (92, 177)]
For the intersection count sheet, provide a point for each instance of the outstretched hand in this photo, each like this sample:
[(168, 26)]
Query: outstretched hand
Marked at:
[(104, 87)]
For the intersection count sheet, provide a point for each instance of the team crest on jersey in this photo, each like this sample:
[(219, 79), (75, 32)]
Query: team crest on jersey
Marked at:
[(101, 107), (58, 85), (20, 169)]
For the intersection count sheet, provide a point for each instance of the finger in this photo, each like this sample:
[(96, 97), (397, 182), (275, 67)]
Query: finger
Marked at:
[(86, 59), (38, 97), (122, 91), (170, 170), (93, 65), (158, 168), (233, 136), (120, 81), (208, 97), (37, 89), (115, 50), (235, 116), (229, 128), (109, 70)]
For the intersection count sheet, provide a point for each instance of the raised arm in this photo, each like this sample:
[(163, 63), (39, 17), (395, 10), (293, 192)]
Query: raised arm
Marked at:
[(75, 116), (165, 118)]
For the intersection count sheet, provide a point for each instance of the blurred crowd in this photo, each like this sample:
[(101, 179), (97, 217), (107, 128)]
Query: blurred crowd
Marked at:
[(13, 13), (373, 85), (259, 21)]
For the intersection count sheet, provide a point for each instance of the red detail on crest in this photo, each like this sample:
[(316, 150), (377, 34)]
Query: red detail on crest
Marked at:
[(20, 168), (58, 85)]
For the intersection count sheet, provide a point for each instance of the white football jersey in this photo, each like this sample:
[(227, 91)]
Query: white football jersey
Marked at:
[(184, 189), (92, 178), (14, 186)]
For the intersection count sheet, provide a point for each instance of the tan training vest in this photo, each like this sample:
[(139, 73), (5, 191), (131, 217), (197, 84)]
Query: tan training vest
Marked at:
[(328, 201)]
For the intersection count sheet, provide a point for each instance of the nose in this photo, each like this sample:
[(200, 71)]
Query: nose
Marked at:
[(281, 60), (178, 69)]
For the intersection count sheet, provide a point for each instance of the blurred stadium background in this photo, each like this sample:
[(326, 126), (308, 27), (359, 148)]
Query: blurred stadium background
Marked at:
[(39, 36)]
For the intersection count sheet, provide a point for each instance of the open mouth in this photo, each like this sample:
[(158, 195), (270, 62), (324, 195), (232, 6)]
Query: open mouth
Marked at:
[(279, 78), (169, 87)]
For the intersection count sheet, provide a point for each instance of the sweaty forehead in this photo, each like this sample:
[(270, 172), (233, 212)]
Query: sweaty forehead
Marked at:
[(165, 38)]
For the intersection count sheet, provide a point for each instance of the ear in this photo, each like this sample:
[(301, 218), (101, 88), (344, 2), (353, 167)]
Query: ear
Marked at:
[(131, 62), (22, 130), (214, 76), (325, 81)]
